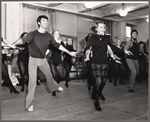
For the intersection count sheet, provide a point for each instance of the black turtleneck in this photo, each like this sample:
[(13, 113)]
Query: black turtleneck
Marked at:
[(134, 50), (99, 47)]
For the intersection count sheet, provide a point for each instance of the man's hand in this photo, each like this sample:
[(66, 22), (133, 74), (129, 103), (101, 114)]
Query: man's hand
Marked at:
[(128, 52), (47, 51), (73, 54)]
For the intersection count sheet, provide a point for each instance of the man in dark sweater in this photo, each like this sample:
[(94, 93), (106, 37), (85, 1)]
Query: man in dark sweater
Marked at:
[(38, 42), (132, 60)]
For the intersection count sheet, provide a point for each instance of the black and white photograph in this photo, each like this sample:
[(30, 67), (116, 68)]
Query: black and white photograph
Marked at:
[(75, 61)]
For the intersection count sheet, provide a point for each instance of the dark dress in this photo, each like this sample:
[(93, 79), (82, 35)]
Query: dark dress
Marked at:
[(56, 65)]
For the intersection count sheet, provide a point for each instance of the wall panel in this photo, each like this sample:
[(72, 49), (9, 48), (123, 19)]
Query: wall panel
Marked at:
[(66, 23)]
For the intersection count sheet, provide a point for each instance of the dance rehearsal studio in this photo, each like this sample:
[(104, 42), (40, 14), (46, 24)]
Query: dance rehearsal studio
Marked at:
[(75, 61)]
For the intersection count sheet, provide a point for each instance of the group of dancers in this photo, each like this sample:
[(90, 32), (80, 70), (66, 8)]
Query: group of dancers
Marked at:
[(45, 51)]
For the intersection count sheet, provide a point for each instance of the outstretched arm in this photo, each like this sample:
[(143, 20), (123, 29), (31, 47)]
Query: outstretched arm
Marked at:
[(18, 41), (118, 49), (110, 52), (113, 56), (65, 50), (7, 44)]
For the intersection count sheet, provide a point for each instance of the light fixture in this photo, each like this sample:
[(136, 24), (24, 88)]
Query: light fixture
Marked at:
[(91, 4), (123, 12)]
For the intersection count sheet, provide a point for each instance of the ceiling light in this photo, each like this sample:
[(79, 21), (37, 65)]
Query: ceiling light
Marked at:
[(147, 19), (91, 4), (123, 12)]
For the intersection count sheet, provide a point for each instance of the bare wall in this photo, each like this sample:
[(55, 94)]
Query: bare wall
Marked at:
[(143, 30)]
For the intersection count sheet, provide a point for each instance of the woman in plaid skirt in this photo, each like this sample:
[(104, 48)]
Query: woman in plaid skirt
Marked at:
[(98, 44)]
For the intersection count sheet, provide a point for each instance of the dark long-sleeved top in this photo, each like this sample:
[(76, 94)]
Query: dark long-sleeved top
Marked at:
[(132, 46), (67, 56), (55, 54), (99, 47), (23, 54), (38, 43)]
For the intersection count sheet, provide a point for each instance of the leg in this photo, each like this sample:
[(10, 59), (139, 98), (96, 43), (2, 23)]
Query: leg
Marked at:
[(110, 70), (54, 71), (21, 67), (67, 66), (52, 84), (103, 74), (122, 72), (136, 67), (90, 76), (32, 69), (96, 90), (91, 79), (96, 71), (26, 72), (5, 75), (132, 68), (61, 71), (116, 72)]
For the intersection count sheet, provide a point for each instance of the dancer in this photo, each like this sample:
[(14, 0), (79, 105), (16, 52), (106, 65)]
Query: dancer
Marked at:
[(99, 60), (142, 60), (55, 60), (88, 63), (38, 42), (132, 60), (119, 69), (68, 60), (23, 58)]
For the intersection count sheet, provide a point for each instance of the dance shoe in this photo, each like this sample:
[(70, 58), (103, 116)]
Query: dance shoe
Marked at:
[(97, 105), (13, 90), (131, 90), (60, 89), (66, 84), (31, 108), (54, 93)]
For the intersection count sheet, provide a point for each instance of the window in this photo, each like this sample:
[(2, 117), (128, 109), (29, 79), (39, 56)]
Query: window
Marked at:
[(128, 31)]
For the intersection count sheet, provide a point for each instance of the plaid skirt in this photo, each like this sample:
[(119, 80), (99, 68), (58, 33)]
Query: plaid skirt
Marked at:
[(100, 70)]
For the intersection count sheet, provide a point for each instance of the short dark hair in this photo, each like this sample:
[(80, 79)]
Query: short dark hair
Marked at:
[(40, 17), (22, 35), (134, 30)]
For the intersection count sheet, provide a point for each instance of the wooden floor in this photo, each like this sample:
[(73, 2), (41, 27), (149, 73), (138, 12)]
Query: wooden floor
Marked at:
[(75, 103)]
